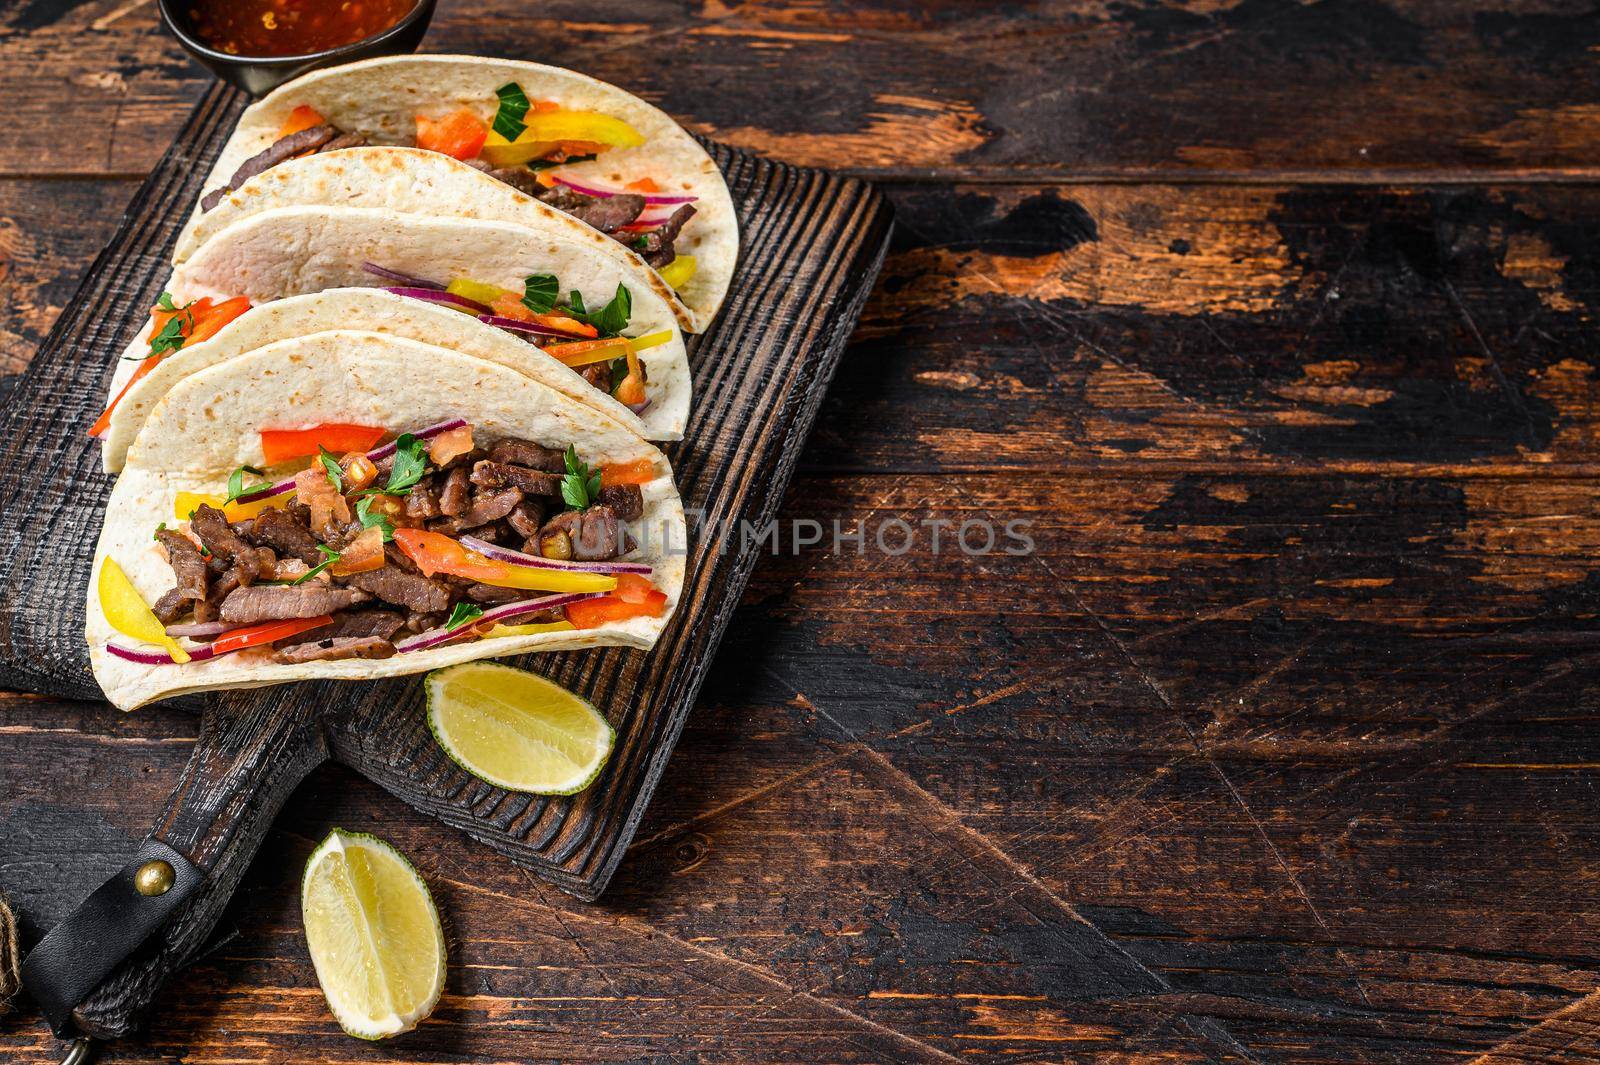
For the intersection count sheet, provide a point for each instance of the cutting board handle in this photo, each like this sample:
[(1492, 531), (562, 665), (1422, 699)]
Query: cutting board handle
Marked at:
[(254, 748)]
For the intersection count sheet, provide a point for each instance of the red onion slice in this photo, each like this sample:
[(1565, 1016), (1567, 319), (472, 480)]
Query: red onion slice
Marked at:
[(517, 325), (434, 637), (448, 299), (404, 279), (156, 658), (518, 558), (606, 194), (196, 630)]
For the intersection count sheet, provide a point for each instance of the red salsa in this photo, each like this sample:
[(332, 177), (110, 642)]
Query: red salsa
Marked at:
[(291, 27)]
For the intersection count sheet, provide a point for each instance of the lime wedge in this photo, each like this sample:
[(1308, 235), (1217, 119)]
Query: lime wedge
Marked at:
[(373, 933), (515, 729)]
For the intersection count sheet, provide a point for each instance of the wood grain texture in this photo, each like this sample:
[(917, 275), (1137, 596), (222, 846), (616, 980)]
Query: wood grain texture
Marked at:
[(1281, 746)]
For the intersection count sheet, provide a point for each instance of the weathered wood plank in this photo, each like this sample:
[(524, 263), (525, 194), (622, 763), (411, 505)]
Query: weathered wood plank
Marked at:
[(1058, 88)]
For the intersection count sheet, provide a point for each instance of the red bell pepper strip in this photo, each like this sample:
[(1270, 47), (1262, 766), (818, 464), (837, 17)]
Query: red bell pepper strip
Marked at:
[(282, 445), (635, 597), (270, 632)]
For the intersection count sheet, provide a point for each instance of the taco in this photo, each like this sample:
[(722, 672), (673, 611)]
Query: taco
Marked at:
[(410, 181), (589, 149), (303, 511), (567, 315)]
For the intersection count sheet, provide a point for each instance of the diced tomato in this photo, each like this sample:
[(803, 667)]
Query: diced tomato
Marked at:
[(359, 471), (361, 555), (639, 471), (282, 445), (303, 117), (459, 134), (635, 597), (449, 445), (630, 392), (272, 631), (201, 321), (437, 553)]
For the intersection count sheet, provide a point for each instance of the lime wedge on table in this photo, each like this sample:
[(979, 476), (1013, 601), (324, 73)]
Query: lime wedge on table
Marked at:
[(373, 933), (515, 729)]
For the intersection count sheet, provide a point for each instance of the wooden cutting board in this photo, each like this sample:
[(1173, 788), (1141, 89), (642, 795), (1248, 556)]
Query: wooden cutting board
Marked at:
[(812, 244)]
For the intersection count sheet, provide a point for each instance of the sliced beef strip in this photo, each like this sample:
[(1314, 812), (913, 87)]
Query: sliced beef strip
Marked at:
[(410, 590), (656, 246), (418, 621), (625, 500), (305, 140), (490, 593), (421, 502), (344, 140), (518, 177), (171, 606), (598, 374), (526, 517), (371, 622), (495, 475), (284, 533), (518, 452), (605, 213), (600, 537), (187, 565), (276, 602), (399, 559), (210, 608), (455, 494), (332, 650), (211, 526), (488, 506)]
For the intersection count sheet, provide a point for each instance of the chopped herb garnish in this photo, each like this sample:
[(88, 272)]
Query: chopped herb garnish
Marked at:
[(575, 302), (463, 613), (368, 519), (165, 303), (611, 319), (539, 292), (409, 464), (579, 487), (329, 557), (237, 487), (642, 242), (331, 466), (159, 530), (513, 106), (170, 338), (619, 372)]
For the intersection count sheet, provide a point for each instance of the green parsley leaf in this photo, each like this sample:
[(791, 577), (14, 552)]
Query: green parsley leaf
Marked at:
[(611, 319), (368, 519), (575, 302), (463, 613), (159, 530), (237, 487), (539, 292), (170, 338), (165, 303), (579, 487), (329, 557), (408, 465), (331, 466), (513, 106), (619, 372)]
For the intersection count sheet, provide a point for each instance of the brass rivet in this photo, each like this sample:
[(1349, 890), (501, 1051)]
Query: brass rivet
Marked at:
[(154, 878)]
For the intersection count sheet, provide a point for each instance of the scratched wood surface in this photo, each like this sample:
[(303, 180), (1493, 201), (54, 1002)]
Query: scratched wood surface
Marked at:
[(1275, 321)]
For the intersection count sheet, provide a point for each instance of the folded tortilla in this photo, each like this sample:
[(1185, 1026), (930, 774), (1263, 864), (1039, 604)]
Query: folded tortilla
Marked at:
[(295, 251), (410, 181), (210, 422), (381, 98)]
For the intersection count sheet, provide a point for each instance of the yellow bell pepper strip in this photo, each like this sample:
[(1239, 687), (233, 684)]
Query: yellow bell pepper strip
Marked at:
[(529, 630), (437, 553), (678, 272), (477, 292), (186, 503), (585, 352), (129, 614), (546, 131)]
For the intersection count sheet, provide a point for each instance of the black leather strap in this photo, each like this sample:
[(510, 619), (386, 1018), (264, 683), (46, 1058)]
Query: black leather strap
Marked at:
[(101, 934)]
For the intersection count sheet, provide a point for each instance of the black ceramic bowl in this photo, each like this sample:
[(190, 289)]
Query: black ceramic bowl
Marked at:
[(259, 75)]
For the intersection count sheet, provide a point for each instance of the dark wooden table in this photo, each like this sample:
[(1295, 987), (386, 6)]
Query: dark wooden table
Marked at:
[(1275, 320)]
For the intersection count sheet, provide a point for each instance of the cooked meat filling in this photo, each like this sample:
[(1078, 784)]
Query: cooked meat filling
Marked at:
[(276, 567)]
